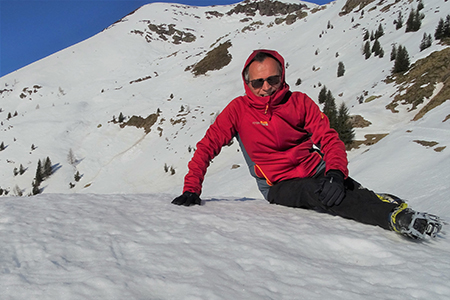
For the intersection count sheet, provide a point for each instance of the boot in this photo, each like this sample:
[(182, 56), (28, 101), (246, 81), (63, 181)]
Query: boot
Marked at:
[(413, 224)]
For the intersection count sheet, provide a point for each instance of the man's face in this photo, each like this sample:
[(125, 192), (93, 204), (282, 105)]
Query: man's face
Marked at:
[(263, 70)]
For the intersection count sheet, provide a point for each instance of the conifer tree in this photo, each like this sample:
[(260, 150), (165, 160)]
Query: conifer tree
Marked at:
[(21, 169), (399, 21), (446, 30), (329, 109), (47, 171), (341, 69), (36, 190), (380, 32), (323, 95), (426, 42), (343, 125), (367, 51), (393, 52), (77, 176), (121, 118), (414, 21), (2, 146), (39, 176), (376, 48), (439, 33), (401, 63), (71, 159), (420, 6), (366, 36)]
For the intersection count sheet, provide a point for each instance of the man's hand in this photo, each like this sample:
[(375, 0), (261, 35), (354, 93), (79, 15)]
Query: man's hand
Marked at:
[(187, 199), (331, 188)]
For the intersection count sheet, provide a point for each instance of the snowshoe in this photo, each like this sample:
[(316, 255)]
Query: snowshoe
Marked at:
[(413, 224)]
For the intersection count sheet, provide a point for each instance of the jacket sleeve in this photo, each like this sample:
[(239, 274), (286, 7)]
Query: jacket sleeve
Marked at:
[(218, 135), (317, 123)]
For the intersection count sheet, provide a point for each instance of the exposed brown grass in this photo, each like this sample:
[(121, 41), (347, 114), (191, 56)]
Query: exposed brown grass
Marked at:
[(351, 4), (420, 82), (140, 122), (215, 59), (370, 140)]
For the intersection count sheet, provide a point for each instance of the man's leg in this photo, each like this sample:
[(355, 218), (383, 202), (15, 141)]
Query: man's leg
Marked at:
[(359, 204)]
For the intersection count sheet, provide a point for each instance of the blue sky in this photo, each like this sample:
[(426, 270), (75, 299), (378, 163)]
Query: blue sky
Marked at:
[(33, 29)]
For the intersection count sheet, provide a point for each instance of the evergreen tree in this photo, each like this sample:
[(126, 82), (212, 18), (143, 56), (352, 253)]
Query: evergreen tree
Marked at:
[(380, 32), (414, 21), (399, 21), (410, 21), (439, 33), (367, 36), (446, 30), (393, 52), (21, 169), (402, 60), (323, 95), (344, 126), (367, 51), (426, 42), (376, 48), (71, 159), (36, 190), (47, 171), (121, 118), (77, 176), (39, 176), (341, 69), (329, 109), (2, 146), (420, 6)]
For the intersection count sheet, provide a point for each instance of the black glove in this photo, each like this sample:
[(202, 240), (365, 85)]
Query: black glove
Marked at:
[(331, 188), (187, 199)]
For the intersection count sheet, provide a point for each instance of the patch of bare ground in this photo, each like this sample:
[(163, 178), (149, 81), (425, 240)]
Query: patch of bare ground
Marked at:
[(370, 140), (419, 83)]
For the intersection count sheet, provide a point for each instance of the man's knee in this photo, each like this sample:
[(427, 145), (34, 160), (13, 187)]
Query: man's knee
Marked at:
[(299, 192)]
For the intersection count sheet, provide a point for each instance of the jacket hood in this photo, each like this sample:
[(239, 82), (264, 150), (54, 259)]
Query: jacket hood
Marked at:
[(277, 97)]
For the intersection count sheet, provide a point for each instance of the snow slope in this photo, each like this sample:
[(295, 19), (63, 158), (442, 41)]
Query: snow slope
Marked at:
[(115, 235), (85, 246)]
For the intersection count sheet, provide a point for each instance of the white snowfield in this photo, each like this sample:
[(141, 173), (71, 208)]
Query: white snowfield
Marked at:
[(89, 246), (114, 235)]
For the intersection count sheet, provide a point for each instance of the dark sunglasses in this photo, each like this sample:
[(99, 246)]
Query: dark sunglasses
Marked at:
[(272, 80)]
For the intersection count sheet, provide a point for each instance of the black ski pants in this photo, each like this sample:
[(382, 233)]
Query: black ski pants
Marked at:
[(359, 204)]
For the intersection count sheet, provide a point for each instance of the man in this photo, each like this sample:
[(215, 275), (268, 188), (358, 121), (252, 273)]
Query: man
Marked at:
[(296, 158)]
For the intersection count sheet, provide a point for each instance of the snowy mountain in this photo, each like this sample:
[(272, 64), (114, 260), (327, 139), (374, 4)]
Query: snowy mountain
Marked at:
[(140, 65), (124, 111)]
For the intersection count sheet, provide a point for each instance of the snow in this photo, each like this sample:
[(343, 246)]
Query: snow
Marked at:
[(115, 234), (87, 246)]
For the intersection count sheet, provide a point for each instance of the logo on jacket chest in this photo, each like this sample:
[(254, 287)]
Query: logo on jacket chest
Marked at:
[(263, 123)]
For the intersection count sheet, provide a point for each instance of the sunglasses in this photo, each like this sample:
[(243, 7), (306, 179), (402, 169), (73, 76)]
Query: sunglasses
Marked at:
[(272, 80)]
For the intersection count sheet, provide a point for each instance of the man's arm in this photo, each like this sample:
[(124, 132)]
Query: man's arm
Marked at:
[(317, 123), (218, 134)]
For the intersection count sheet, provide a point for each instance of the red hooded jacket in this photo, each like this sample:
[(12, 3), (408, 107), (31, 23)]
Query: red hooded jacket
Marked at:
[(277, 133)]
